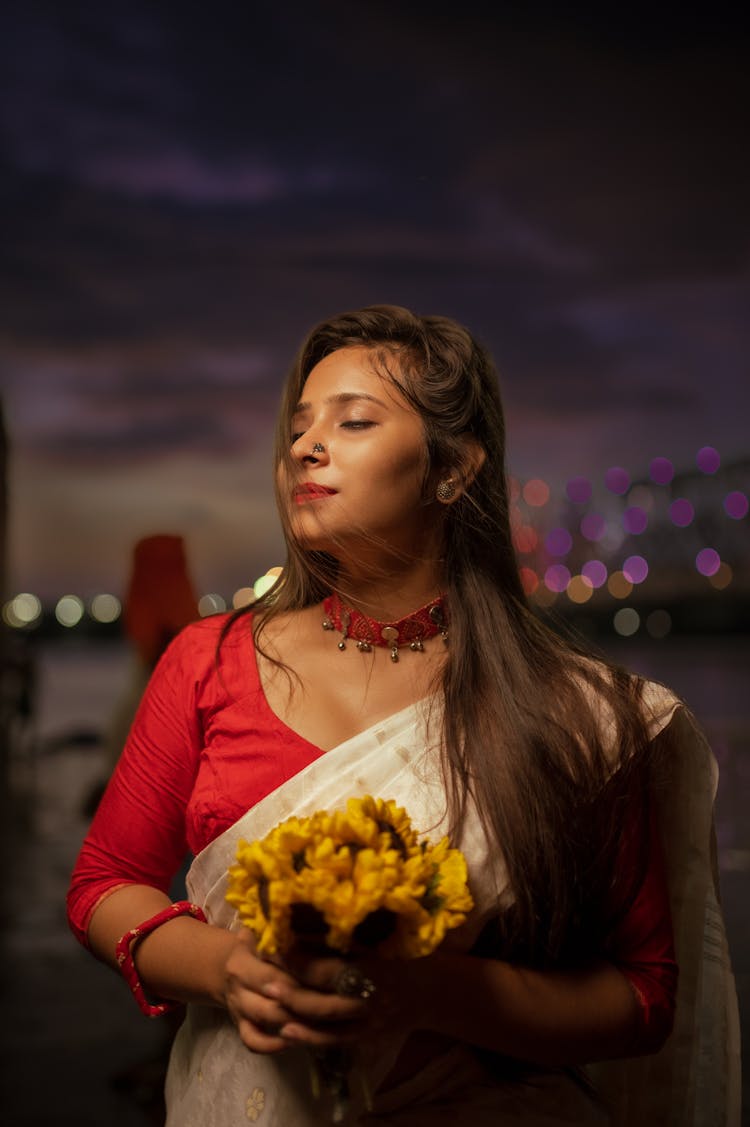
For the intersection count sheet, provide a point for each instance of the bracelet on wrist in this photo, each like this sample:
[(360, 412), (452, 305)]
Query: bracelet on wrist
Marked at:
[(127, 943)]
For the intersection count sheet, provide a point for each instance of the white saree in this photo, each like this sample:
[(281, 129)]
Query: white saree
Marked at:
[(214, 1081)]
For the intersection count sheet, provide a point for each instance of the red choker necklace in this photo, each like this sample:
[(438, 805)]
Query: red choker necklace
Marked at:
[(411, 631)]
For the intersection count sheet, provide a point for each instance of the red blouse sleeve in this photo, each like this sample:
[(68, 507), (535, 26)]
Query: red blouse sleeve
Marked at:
[(642, 946), (138, 833)]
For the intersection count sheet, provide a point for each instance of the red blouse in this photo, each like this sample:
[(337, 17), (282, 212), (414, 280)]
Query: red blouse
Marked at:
[(205, 746)]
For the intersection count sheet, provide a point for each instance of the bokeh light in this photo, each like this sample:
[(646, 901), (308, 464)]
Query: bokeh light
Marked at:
[(529, 580), (211, 603), (69, 610), (578, 490), (736, 505), (536, 493), (659, 623), (635, 569), (626, 622), (266, 582), (243, 597), (593, 526), (22, 610), (681, 512), (579, 590), (707, 459), (635, 520), (263, 584), (514, 488), (558, 542), (557, 578), (105, 608), (619, 586), (594, 572), (661, 471), (525, 539), (708, 561), (721, 578), (617, 480)]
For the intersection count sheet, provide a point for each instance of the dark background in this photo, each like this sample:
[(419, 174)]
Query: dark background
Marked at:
[(187, 189)]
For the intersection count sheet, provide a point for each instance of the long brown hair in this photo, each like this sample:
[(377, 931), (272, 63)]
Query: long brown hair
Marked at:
[(549, 743)]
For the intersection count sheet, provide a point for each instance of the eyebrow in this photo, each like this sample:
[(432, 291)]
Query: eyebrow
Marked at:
[(342, 397)]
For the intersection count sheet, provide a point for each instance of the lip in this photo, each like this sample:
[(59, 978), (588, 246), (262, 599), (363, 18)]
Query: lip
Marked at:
[(311, 491)]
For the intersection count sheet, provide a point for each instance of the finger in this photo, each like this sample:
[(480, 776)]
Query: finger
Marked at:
[(337, 976), (313, 1005), (261, 1039), (296, 1032), (246, 970)]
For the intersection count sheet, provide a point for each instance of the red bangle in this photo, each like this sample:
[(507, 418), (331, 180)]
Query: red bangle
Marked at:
[(127, 943)]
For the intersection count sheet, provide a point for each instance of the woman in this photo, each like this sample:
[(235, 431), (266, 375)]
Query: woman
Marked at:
[(539, 760)]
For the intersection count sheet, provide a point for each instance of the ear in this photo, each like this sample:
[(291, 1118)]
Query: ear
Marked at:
[(472, 459), (456, 479)]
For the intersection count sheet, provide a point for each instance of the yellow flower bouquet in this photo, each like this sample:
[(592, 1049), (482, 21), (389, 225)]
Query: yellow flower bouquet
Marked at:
[(352, 879), (349, 881)]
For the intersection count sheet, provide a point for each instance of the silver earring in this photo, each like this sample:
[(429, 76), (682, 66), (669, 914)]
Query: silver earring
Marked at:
[(446, 490), (318, 448)]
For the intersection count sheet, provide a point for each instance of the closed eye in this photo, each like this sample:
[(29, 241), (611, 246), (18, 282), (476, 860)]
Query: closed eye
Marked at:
[(358, 424)]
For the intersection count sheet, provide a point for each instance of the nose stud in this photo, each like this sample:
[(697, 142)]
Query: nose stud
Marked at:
[(318, 448)]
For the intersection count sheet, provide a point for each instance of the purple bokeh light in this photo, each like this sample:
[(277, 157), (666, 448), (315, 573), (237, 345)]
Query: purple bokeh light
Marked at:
[(594, 572), (558, 542), (661, 471), (736, 505), (708, 561), (635, 520), (707, 459), (635, 569), (681, 512), (578, 490), (557, 577), (617, 480), (593, 526)]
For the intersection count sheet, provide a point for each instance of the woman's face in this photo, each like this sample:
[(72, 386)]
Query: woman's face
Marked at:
[(367, 481)]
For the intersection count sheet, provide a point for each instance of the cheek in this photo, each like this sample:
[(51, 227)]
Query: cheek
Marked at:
[(406, 472)]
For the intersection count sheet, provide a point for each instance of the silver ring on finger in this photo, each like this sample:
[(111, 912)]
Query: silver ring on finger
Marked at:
[(350, 982)]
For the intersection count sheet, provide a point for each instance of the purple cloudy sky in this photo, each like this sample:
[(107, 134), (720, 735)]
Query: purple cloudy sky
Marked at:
[(186, 189)]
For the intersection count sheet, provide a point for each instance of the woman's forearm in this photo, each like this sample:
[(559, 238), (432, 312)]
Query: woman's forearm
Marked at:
[(182, 960), (548, 1017)]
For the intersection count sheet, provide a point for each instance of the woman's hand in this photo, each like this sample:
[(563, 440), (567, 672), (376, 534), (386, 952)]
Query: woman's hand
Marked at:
[(330, 1001), (274, 1006)]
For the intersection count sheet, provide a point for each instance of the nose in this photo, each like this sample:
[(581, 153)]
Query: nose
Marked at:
[(309, 449)]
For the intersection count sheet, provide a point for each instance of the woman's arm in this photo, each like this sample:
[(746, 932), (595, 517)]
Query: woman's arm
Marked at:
[(138, 835), (187, 960), (547, 1017), (181, 960)]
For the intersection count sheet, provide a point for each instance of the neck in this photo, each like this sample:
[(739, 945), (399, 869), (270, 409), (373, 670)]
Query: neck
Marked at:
[(391, 594)]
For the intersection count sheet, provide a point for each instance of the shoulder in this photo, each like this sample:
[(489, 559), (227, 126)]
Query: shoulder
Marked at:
[(654, 703), (204, 643), (659, 705)]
